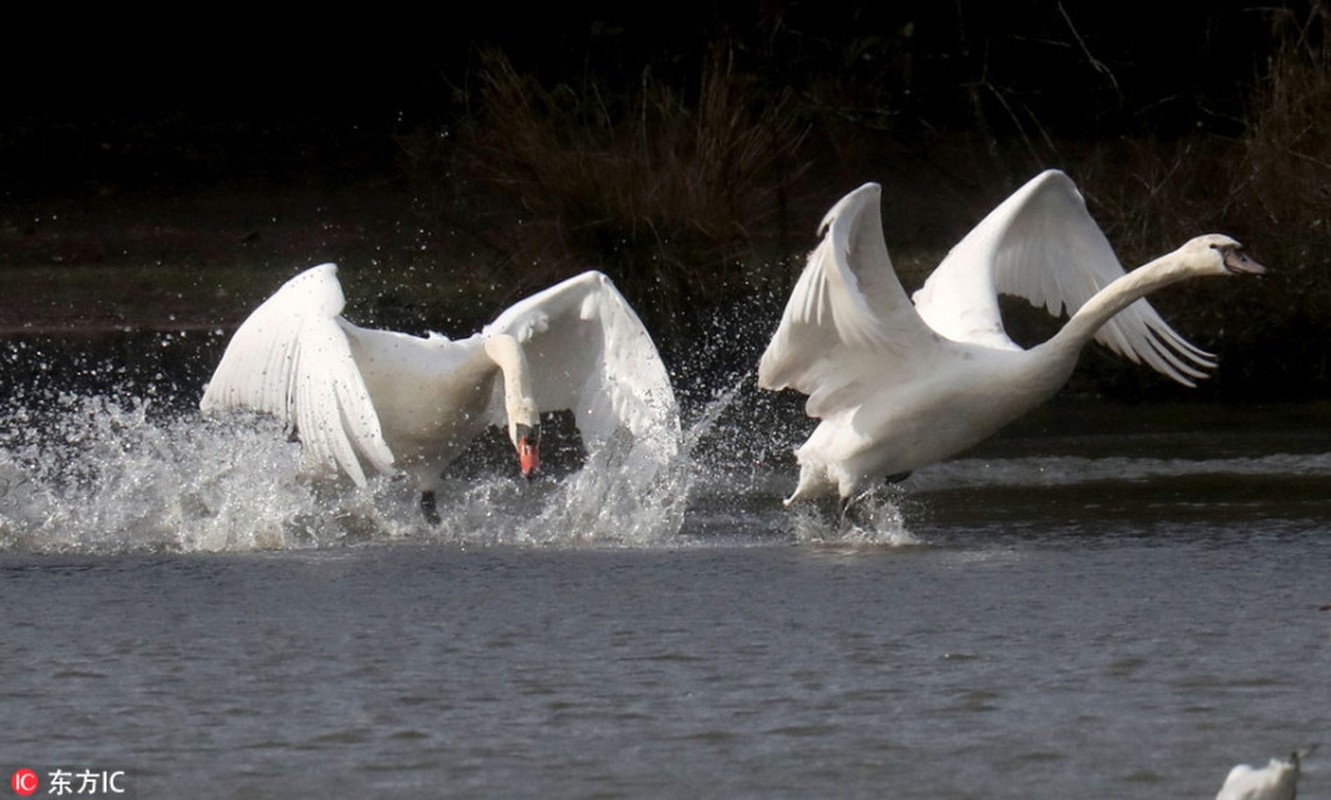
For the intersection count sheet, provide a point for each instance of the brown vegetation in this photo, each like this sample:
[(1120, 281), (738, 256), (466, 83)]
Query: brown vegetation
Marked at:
[(709, 192), (673, 190), (690, 155)]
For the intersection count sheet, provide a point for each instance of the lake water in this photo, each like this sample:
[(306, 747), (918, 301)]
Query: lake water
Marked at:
[(1105, 602)]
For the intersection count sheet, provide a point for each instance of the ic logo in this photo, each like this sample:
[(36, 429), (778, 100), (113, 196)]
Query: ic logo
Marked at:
[(24, 782)]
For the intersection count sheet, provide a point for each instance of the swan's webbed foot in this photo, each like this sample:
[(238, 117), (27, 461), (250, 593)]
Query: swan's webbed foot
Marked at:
[(428, 508)]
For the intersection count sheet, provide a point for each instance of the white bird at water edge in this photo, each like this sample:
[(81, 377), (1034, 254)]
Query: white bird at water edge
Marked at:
[(364, 400), (1278, 780), (898, 384)]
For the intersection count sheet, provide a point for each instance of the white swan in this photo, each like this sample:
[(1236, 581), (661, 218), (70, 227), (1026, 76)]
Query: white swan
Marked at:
[(898, 385), (1278, 780), (369, 400)]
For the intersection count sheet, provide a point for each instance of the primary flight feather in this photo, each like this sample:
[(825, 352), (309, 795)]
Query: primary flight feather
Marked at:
[(900, 382)]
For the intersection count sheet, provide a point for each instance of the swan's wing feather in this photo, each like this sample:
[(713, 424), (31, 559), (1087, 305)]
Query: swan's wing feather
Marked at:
[(1042, 244), (588, 352), (291, 358), (847, 307)]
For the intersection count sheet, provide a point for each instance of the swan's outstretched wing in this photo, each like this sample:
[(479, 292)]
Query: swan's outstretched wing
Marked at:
[(1041, 244), (291, 358), (848, 324), (588, 352)]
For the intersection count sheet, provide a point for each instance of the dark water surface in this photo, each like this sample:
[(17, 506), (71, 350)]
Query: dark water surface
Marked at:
[(1107, 658), (1104, 603)]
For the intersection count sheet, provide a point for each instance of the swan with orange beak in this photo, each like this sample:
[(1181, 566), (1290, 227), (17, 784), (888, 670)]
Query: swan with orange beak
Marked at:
[(363, 401), (529, 450)]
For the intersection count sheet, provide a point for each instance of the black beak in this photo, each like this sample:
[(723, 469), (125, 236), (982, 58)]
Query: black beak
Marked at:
[(1239, 263)]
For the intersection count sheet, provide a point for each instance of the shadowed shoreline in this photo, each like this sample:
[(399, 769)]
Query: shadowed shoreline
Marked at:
[(690, 159)]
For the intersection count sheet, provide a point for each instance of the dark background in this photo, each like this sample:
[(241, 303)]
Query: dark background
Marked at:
[(153, 101), (167, 173)]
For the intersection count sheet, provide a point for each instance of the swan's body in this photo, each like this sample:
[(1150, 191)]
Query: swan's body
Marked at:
[(378, 401), (1278, 780), (900, 384)]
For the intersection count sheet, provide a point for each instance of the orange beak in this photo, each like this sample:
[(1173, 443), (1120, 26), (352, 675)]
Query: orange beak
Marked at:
[(529, 457)]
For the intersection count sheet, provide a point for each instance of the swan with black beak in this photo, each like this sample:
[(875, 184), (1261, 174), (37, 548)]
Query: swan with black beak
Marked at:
[(898, 382)]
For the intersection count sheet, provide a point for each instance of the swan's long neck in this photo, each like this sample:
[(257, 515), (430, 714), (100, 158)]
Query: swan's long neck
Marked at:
[(509, 356), (1115, 297)]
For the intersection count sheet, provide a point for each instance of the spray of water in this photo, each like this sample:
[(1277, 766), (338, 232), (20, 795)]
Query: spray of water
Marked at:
[(126, 469), (876, 521), (107, 474), (126, 462)]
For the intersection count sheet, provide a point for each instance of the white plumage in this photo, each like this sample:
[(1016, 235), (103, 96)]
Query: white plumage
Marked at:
[(364, 400), (1278, 780), (900, 384)]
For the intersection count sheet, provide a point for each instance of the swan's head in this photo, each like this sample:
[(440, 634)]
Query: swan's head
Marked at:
[(525, 434), (1218, 254)]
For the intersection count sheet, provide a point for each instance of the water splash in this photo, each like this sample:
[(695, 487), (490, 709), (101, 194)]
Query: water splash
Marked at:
[(625, 496), (876, 521), (134, 469), (105, 474), (709, 418), (125, 462), (101, 473)]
